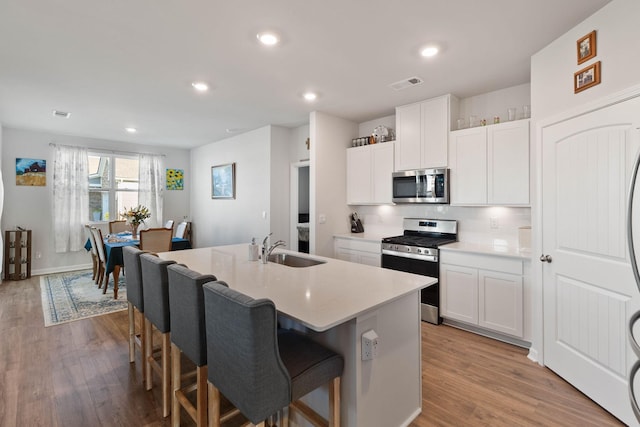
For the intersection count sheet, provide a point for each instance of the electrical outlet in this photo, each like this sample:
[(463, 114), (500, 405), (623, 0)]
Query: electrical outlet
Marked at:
[(322, 218), (369, 345), (38, 254), (493, 222)]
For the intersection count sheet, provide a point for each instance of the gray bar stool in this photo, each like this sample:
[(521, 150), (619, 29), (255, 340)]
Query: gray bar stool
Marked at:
[(186, 303), (135, 302), (259, 369), (155, 293)]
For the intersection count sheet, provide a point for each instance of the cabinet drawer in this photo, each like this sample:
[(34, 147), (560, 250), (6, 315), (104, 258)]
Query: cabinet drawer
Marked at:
[(485, 262), (359, 245)]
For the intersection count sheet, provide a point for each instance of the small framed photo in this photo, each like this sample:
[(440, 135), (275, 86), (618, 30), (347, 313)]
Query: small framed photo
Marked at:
[(586, 47), (587, 77), (223, 181)]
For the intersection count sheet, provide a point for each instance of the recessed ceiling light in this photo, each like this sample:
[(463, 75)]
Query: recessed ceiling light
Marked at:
[(200, 86), (63, 114), (268, 39), (131, 130), (429, 51), (310, 96)]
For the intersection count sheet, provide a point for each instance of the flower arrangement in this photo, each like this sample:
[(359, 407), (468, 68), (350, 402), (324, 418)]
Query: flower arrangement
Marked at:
[(135, 216)]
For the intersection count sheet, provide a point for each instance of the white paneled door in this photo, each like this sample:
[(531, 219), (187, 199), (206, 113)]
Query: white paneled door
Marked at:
[(588, 287)]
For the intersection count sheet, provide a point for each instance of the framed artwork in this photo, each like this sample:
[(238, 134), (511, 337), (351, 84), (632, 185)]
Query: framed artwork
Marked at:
[(32, 172), (223, 181), (586, 47), (175, 179), (587, 77)]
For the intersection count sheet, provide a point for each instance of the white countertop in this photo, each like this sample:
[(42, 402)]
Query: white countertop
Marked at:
[(320, 297), (487, 249)]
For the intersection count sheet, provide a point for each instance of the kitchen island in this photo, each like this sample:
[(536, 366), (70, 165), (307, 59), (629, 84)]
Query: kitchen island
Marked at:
[(335, 302)]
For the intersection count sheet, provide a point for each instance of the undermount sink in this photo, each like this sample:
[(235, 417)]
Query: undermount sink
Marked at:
[(293, 260)]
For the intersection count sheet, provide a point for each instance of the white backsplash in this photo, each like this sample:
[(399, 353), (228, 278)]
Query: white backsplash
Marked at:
[(474, 223)]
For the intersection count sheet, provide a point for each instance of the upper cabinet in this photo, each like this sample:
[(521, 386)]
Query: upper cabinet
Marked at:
[(422, 131), (369, 170), (490, 165)]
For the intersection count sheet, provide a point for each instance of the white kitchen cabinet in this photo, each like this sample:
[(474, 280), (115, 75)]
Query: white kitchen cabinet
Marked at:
[(369, 170), (490, 165), (483, 290), (357, 250), (422, 133)]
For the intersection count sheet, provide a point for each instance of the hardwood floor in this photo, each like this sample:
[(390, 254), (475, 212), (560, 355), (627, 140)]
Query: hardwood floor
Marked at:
[(78, 374)]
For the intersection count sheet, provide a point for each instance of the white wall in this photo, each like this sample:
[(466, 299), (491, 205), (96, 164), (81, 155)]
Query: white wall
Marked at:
[(330, 137), (488, 105), (30, 207), (223, 221), (553, 67), (552, 94), (281, 147)]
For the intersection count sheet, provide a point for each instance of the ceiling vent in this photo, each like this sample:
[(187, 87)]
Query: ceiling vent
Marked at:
[(62, 114), (405, 83)]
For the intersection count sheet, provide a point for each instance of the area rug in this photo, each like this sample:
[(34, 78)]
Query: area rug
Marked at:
[(73, 296)]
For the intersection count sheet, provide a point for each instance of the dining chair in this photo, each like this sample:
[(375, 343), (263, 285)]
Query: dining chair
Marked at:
[(118, 226), (169, 224), (94, 253), (258, 368), (156, 239), (188, 338), (135, 303), (155, 294), (103, 276), (181, 229)]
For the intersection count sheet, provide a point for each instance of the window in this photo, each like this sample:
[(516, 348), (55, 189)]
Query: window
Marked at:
[(113, 185)]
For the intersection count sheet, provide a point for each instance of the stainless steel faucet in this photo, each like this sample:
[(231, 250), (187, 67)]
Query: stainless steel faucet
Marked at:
[(266, 250)]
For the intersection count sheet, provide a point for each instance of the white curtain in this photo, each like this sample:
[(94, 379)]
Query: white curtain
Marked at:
[(70, 197), (151, 187)]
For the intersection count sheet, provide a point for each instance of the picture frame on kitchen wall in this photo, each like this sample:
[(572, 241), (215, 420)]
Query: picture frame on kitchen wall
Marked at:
[(587, 77), (586, 47), (223, 181)]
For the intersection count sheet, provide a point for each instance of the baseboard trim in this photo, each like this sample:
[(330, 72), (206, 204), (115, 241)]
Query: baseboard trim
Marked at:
[(64, 269), (486, 333)]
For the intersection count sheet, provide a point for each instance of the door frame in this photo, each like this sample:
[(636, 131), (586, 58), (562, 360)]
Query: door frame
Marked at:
[(536, 351)]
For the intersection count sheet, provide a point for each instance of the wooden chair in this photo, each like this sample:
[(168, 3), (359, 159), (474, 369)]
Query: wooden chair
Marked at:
[(156, 240), (188, 338), (95, 262), (135, 301), (181, 229), (103, 276), (155, 293), (118, 226), (260, 369)]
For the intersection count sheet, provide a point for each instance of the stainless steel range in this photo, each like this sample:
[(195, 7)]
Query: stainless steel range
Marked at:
[(416, 251)]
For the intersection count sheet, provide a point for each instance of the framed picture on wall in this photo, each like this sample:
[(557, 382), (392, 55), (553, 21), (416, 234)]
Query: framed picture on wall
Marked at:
[(223, 181), (586, 47), (32, 172), (587, 77), (175, 179)]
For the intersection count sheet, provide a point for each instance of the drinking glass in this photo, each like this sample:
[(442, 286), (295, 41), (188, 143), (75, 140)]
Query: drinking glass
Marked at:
[(512, 113), (526, 111)]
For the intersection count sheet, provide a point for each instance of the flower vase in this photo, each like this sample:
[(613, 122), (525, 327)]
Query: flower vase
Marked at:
[(134, 231)]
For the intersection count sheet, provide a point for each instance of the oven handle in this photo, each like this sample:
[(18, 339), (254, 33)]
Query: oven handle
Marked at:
[(421, 257)]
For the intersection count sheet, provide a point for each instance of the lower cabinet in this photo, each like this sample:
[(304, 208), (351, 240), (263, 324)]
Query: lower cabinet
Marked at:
[(360, 251), (483, 290)]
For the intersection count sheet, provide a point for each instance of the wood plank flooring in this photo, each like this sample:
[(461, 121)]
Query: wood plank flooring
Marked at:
[(78, 374)]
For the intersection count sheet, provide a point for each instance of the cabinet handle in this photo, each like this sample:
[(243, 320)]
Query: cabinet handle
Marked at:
[(545, 258)]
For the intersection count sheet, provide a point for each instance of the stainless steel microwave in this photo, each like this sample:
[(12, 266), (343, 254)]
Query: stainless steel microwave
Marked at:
[(421, 186)]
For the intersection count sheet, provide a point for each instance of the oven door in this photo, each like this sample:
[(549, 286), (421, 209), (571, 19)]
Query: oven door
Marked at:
[(430, 297)]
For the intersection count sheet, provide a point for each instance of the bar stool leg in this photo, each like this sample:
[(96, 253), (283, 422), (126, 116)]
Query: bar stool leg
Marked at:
[(132, 333), (149, 355), (201, 395), (334, 403), (166, 375), (175, 385), (214, 405)]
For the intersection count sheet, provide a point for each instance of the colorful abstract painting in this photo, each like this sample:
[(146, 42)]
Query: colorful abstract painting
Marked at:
[(175, 179), (32, 172)]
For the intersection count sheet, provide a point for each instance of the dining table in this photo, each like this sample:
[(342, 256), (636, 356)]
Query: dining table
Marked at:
[(113, 245)]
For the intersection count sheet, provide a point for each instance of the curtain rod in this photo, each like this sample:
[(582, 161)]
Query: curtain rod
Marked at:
[(127, 153)]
